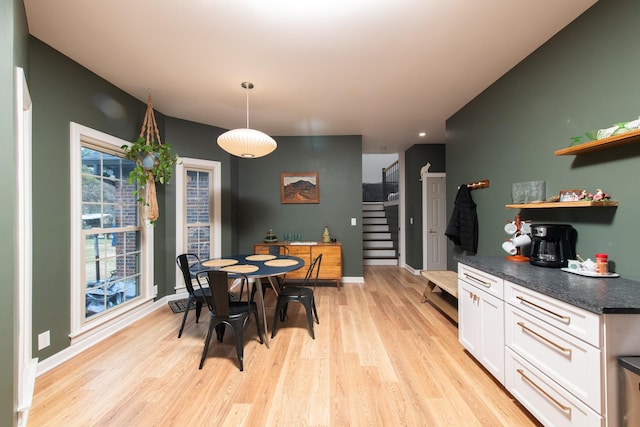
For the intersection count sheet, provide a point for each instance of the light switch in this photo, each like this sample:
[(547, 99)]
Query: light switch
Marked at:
[(411, 220), (353, 221)]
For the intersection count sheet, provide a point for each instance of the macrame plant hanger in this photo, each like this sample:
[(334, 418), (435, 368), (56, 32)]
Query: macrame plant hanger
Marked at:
[(150, 133)]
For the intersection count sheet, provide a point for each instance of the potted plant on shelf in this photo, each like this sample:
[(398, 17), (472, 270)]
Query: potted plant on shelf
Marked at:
[(154, 163)]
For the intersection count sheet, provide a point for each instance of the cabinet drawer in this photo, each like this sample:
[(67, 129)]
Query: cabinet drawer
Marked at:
[(487, 282), (331, 265), (572, 363), (566, 317), (546, 400)]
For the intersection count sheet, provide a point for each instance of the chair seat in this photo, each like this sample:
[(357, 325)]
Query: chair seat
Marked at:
[(302, 294), (296, 292)]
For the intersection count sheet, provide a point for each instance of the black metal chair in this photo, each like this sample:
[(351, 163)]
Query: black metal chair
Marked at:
[(197, 297), (303, 294), (225, 312)]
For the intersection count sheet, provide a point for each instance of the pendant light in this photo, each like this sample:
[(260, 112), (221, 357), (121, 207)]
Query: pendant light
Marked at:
[(247, 143)]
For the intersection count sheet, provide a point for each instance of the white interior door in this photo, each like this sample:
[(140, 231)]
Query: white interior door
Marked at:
[(434, 242)]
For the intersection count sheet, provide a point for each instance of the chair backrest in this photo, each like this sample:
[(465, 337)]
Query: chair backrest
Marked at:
[(311, 278), (219, 287), (277, 250), (185, 261)]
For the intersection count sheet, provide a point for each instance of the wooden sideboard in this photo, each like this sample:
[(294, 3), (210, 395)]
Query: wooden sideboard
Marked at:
[(330, 267)]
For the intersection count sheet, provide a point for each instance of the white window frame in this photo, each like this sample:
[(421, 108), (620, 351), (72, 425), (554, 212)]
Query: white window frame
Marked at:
[(82, 328), (215, 244)]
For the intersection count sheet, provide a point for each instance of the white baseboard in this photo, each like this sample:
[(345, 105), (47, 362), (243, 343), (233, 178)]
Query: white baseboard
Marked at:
[(75, 349), (347, 279), (412, 270)]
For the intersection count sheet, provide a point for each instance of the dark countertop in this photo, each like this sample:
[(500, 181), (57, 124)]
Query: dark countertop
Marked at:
[(597, 295), (631, 363)]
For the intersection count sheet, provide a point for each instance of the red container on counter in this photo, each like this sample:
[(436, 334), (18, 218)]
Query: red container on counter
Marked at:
[(602, 264)]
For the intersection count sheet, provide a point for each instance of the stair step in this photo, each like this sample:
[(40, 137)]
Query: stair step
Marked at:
[(373, 214), (372, 207), (378, 253), (377, 244), (393, 261), (374, 221), (376, 236), (375, 228)]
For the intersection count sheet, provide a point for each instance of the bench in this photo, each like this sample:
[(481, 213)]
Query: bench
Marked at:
[(437, 283)]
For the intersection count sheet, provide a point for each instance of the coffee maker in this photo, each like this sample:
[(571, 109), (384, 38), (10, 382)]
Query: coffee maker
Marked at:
[(552, 245)]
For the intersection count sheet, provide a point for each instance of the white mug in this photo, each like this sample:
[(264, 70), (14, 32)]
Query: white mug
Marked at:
[(521, 240), (525, 228), (509, 247), (510, 228), (589, 265)]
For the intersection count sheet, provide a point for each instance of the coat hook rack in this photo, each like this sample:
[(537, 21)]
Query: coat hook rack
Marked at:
[(478, 184)]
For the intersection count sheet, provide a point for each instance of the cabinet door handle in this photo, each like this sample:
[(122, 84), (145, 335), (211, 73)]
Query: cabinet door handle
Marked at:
[(547, 395), (545, 339), (475, 279), (559, 316)]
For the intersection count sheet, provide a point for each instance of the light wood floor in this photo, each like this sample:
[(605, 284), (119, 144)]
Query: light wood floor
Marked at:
[(380, 358)]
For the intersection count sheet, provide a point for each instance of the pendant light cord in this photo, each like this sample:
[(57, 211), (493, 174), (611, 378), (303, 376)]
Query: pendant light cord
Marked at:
[(247, 89)]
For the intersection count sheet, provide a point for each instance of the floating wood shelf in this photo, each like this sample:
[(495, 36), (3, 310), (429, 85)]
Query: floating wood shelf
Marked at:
[(601, 144), (584, 204)]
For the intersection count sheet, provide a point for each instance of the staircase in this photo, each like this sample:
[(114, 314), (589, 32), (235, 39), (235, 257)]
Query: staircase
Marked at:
[(378, 248)]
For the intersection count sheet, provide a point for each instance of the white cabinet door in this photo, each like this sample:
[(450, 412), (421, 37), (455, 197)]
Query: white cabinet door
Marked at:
[(481, 327), (469, 328)]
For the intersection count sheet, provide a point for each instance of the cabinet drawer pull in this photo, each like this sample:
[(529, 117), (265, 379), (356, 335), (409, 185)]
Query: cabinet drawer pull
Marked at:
[(547, 395), (475, 279), (545, 339), (559, 316)]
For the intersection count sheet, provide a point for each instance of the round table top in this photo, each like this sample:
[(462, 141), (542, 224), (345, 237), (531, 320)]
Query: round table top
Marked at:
[(252, 265)]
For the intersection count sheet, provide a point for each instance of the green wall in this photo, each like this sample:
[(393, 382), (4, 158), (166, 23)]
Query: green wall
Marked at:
[(415, 158), (584, 78), (63, 91), (338, 161), (195, 140)]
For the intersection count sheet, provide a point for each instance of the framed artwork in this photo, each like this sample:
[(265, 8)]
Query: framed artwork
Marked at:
[(569, 195), (299, 187)]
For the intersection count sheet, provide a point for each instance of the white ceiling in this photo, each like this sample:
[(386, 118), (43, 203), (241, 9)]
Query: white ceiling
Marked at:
[(385, 69)]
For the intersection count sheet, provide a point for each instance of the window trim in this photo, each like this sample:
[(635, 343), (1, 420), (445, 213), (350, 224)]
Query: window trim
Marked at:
[(214, 167), (80, 328)]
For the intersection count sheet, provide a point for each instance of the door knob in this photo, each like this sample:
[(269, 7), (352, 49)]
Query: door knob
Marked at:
[(431, 231)]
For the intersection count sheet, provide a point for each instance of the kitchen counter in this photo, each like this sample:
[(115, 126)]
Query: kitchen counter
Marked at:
[(597, 295)]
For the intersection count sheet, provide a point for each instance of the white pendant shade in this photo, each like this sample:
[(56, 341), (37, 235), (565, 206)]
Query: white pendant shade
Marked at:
[(248, 143)]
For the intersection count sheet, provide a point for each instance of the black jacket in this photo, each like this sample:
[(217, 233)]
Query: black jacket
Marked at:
[(463, 225)]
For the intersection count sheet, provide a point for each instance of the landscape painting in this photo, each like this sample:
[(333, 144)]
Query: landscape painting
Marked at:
[(299, 188)]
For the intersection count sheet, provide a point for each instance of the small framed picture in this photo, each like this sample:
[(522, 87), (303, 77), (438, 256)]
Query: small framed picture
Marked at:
[(299, 187), (569, 195)]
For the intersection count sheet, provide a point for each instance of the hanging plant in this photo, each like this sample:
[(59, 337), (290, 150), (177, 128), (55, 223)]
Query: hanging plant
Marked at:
[(154, 163)]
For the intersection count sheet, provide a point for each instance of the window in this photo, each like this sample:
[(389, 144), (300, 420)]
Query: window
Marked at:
[(198, 223), (111, 249)]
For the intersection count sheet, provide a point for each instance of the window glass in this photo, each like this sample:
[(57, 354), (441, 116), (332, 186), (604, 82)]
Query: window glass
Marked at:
[(198, 213), (111, 232)]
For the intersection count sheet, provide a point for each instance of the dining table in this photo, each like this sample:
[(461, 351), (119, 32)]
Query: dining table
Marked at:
[(257, 267)]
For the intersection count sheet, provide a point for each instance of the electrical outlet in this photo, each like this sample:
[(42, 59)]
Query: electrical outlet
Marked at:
[(411, 220), (155, 290), (44, 340), (353, 221)]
